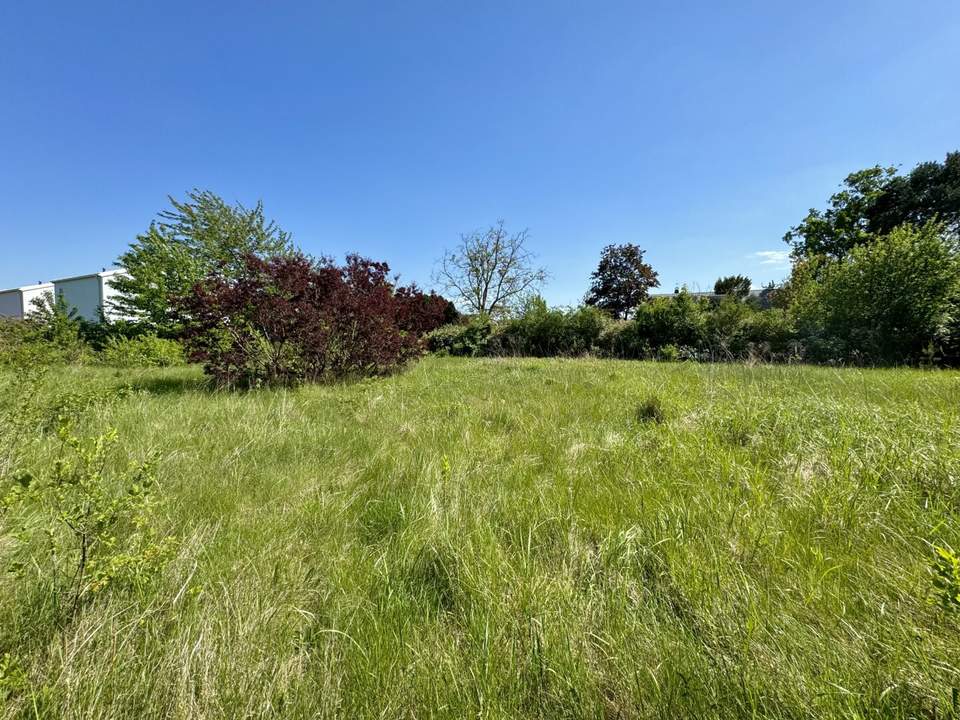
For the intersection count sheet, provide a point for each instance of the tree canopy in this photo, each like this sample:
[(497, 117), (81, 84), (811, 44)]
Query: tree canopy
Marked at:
[(887, 301), (876, 200), (621, 281), (490, 271), (194, 238), (734, 285)]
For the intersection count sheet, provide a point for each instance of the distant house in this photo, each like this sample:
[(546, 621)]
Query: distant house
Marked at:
[(762, 295), (18, 302), (90, 294)]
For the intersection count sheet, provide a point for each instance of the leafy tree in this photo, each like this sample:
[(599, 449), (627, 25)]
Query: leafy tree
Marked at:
[(845, 223), (931, 192), (195, 238), (621, 281), (893, 300), (737, 286), (489, 272), (875, 201)]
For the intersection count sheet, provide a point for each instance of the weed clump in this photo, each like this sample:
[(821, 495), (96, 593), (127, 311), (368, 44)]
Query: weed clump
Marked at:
[(651, 409), (946, 579), (433, 577)]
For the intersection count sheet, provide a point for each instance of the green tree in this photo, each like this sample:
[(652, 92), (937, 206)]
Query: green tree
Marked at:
[(196, 237), (621, 281), (931, 192), (737, 286), (844, 224), (874, 201), (893, 300)]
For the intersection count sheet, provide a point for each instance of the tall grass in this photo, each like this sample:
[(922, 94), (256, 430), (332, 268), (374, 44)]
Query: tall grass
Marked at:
[(502, 539)]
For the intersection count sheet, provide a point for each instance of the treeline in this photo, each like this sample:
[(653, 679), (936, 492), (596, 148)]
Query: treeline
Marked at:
[(893, 300), (875, 280)]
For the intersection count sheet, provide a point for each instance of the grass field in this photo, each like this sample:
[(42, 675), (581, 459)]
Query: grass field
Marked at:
[(524, 538)]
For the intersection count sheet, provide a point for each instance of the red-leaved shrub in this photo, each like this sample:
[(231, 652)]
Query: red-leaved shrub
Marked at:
[(287, 319)]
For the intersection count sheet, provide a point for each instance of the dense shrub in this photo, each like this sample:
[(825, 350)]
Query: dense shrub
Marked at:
[(678, 323), (146, 350), (892, 300), (771, 335), (287, 319), (51, 335), (421, 313), (683, 327), (466, 340), (545, 332), (679, 320), (620, 340)]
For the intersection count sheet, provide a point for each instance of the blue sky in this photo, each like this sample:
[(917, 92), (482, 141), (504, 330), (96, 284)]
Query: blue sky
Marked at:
[(699, 130)]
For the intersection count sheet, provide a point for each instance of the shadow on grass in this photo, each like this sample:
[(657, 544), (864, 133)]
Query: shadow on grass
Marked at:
[(174, 385)]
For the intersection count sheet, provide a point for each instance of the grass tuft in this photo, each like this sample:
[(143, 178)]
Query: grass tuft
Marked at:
[(651, 409)]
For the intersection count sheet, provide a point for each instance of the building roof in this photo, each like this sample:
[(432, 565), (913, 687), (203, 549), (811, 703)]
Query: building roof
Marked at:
[(35, 286), (754, 292), (102, 274)]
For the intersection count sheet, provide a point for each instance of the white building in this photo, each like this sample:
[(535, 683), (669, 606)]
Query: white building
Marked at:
[(18, 302), (88, 294)]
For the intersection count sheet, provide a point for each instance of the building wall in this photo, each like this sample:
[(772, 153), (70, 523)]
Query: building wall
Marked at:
[(18, 302), (81, 294), (108, 293), (10, 305), (29, 294)]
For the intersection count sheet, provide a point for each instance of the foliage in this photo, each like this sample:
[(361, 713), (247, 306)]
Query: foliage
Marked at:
[(677, 320), (770, 334), (929, 193), (621, 281), (884, 302), (684, 327), (145, 350), (20, 417), (50, 335), (197, 237), (544, 332), (420, 313), (877, 200), (100, 530), (466, 339), (736, 285), (491, 271), (946, 578), (98, 334), (845, 223), (287, 319), (72, 526)]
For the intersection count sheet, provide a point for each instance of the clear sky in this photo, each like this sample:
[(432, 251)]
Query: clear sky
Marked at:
[(699, 130)]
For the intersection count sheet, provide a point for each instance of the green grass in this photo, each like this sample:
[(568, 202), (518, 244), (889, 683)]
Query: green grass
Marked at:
[(525, 538)]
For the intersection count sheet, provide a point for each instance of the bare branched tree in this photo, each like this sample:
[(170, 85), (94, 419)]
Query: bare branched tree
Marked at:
[(490, 271)]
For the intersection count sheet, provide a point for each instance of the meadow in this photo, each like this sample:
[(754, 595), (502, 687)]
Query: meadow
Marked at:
[(506, 538)]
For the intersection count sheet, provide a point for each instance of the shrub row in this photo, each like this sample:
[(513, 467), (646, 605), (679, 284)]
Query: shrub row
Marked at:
[(679, 327), (52, 336), (894, 300), (21, 344)]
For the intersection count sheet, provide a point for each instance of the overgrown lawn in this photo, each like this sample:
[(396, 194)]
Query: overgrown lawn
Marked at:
[(519, 538)]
